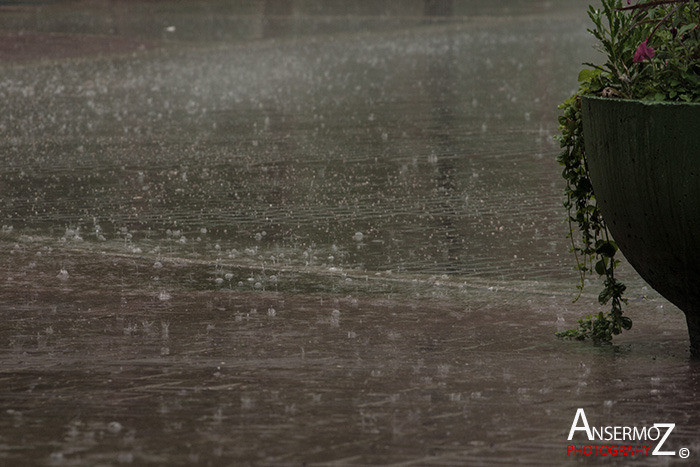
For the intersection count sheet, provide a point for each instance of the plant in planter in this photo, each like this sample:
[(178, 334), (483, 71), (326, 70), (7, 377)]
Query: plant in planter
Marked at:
[(652, 51)]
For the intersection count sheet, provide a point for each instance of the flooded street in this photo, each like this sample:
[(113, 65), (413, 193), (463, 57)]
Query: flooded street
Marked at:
[(302, 232)]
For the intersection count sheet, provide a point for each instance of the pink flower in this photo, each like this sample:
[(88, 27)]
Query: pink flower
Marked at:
[(643, 52)]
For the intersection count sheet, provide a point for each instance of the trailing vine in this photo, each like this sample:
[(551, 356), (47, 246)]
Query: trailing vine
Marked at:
[(653, 52), (594, 251)]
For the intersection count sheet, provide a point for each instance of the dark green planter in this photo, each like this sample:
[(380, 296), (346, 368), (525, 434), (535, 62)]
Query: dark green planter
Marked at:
[(644, 161)]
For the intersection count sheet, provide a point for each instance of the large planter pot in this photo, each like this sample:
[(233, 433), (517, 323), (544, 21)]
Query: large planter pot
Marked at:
[(644, 162)]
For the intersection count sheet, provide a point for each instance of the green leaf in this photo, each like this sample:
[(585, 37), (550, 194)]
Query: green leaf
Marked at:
[(626, 323), (607, 249), (605, 295), (587, 74), (600, 267), (685, 28)]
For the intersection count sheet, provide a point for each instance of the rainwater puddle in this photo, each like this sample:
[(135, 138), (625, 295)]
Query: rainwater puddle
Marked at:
[(287, 232)]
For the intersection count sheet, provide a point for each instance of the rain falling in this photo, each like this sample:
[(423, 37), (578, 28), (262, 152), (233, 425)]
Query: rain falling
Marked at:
[(299, 231)]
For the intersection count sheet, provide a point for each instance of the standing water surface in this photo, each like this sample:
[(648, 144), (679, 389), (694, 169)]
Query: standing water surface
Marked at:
[(300, 231)]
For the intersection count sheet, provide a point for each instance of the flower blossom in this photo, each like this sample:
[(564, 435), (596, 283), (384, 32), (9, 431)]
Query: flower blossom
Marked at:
[(643, 52)]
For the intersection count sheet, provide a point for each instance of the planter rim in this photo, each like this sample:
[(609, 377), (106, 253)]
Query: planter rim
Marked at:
[(642, 102)]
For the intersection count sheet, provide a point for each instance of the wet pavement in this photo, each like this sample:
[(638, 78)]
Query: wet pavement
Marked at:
[(288, 232)]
